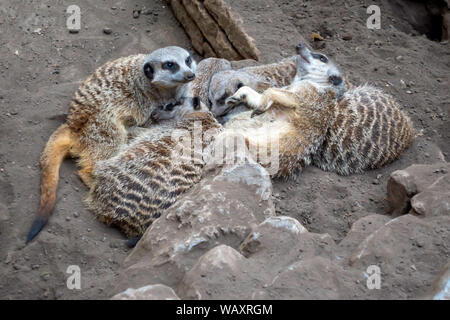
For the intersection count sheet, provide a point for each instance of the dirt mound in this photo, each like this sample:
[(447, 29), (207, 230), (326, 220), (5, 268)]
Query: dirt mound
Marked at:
[(43, 63)]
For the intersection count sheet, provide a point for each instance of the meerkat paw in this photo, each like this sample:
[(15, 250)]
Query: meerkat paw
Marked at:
[(245, 95)]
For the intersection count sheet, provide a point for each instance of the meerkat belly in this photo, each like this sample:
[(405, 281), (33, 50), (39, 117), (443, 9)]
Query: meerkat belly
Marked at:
[(260, 130)]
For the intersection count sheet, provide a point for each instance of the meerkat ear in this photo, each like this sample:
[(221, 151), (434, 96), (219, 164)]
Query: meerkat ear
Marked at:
[(335, 80), (240, 85), (148, 70), (196, 103)]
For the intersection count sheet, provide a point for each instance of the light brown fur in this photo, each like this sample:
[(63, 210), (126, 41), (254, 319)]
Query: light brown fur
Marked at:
[(116, 96), (362, 129)]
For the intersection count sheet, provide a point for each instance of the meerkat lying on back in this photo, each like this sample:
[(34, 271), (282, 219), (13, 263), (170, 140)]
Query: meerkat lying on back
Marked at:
[(317, 122), (120, 94), (296, 116), (133, 188)]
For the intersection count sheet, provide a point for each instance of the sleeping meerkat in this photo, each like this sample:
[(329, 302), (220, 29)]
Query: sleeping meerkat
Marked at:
[(315, 121), (133, 188), (225, 83), (120, 94)]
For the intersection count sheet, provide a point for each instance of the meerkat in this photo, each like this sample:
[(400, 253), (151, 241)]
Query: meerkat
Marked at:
[(118, 95), (225, 83), (316, 122), (133, 188), (368, 131)]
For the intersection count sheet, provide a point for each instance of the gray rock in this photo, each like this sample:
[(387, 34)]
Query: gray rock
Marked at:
[(404, 184), (151, 292), (221, 209)]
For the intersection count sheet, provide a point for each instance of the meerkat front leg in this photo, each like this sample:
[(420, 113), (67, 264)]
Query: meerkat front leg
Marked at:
[(250, 97)]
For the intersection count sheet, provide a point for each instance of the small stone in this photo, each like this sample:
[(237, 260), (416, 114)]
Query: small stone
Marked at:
[(8, 258), (136, 13), (73, 31), (76, 214), (107, 30), (347, 37)]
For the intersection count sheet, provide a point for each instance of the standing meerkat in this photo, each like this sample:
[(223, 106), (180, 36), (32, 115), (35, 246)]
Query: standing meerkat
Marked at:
[(316, 122), (133, 188), (120, 94)]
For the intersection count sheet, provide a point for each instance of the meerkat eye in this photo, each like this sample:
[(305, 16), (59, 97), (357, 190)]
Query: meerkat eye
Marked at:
[(240, 85), (188, 61), (196, 103), (169, 107), (319, 56), (148, 71), (169, 65), (209, 103)]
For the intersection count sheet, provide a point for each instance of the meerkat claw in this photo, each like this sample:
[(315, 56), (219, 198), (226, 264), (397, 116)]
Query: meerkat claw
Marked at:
[(232, 101), (257, 112)]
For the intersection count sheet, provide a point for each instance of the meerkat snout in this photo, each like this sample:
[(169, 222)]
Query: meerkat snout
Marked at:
[(189, 76), (318, 68)]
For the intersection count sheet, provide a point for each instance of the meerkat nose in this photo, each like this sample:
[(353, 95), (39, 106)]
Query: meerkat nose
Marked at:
[(189, 76), (300, 47)]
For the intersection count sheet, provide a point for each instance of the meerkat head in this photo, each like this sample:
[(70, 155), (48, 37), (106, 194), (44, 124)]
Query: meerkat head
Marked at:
[(179, 109), (169, 67), (318, 68), (224, 84)]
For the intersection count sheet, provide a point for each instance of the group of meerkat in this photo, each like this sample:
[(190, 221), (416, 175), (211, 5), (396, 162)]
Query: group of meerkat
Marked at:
[(122, 120)]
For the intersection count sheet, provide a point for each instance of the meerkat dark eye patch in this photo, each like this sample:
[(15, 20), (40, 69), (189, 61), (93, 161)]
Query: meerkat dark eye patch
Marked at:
[(148, 70), (222, 99), (169, 107), (335, 80), (320, 57), (196, 103), (188, 61), (170, 65)]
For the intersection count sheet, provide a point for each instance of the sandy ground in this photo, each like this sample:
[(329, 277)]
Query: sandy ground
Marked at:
[(42, 64)]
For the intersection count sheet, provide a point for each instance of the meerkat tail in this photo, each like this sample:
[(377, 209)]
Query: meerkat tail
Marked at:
[(57, 148)]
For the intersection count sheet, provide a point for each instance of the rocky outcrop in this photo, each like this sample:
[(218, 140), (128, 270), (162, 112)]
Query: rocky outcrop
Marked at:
[(222, 241), (425, 188), (221, 209)]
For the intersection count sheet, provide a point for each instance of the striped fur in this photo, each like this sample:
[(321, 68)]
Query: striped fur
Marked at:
[(133, 188), (368, 130), (118, 95)]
